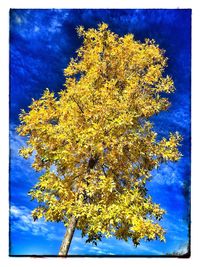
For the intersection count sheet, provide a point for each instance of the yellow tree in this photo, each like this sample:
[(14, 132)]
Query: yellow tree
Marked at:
[(95, 143)]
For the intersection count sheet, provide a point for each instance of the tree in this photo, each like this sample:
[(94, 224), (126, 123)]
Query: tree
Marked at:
[(95, 142)]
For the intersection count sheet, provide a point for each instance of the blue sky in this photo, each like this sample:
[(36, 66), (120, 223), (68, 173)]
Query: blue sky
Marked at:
[(41, 45)]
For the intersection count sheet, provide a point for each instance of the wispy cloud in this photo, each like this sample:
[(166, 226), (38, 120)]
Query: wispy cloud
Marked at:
[(167, 174), (21, 174), (183, 249), (112, 246), (21, 220), (172, 173), (16, 143)]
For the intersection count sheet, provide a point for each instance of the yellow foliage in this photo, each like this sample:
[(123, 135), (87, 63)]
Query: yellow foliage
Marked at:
[(99, 140)]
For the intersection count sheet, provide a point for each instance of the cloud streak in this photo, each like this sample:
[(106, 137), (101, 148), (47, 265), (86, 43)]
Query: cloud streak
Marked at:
[(169, 173), (21, 220)]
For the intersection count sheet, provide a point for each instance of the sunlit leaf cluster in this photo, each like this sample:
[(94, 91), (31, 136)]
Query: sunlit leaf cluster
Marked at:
[(94, 140)]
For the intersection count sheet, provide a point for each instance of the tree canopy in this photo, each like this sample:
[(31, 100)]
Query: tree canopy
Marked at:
[(95, 142)]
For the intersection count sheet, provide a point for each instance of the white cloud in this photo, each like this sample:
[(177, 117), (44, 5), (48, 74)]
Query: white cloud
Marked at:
[(150, 250), (20, 168), (169, 173), (53, 236), (111, 246), (21, 217), (143, 248), (18, 20), (15, 211), (183, 249), (22, 220), (177, 229), (36, 29)]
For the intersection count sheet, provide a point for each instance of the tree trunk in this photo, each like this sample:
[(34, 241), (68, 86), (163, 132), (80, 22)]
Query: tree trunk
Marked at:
[(68, 237), (72, 222)]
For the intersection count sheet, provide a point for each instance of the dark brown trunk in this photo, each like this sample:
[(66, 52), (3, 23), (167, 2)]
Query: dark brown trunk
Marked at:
[(68, 237)]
